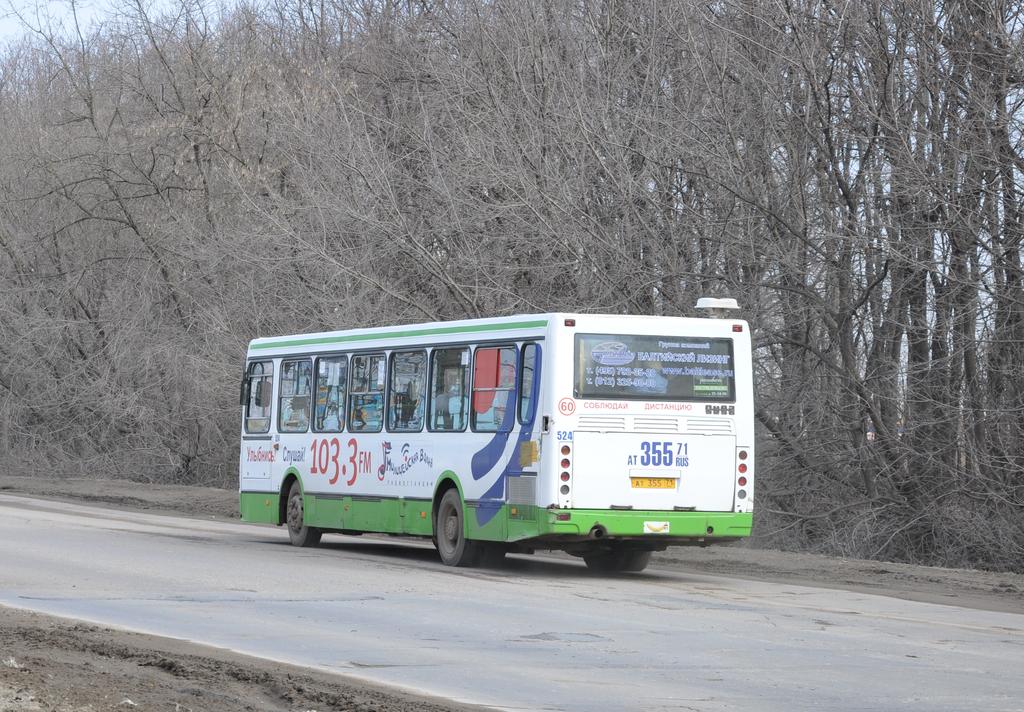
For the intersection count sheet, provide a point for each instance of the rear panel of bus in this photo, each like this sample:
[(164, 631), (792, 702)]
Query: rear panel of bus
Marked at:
[(651, 428)]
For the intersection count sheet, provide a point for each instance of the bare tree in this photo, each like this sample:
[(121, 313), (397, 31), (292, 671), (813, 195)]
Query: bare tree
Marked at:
[(175, 184)]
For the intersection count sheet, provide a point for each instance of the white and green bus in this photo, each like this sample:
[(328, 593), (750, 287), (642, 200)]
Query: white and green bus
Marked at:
[(605, 436)]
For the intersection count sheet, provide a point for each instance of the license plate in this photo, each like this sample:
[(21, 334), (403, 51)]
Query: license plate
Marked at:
[(652, 482)]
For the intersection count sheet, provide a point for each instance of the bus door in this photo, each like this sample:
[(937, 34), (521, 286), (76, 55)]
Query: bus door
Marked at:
[(522, 473), (257, 455), (293, 419)]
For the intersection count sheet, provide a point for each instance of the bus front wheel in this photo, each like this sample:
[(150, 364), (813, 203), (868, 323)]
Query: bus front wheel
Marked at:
[(449, 533), (298, 532)]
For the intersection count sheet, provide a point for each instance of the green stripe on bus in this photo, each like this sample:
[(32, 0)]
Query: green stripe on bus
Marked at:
[(709, 526), (513, 523), (508, 326)]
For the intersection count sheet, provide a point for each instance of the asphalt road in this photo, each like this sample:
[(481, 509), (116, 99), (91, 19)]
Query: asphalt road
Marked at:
[(541, 634)]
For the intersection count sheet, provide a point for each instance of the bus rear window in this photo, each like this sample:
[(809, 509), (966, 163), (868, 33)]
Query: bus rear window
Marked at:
[(662, 368)]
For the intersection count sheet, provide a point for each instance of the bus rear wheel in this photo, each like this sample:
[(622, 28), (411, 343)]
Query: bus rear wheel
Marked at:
[(449, 533), (298, 532), (624, 560)]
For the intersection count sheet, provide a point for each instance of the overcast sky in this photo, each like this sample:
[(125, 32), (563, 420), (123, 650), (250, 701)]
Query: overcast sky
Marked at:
[(59, 12), (42, 11)]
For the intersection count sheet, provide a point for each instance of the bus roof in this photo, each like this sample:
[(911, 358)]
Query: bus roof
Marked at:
[(528, 322), (518, 324)]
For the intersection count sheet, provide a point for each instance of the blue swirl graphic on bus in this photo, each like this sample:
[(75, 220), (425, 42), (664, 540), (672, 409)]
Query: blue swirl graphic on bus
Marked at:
[(484, 461)]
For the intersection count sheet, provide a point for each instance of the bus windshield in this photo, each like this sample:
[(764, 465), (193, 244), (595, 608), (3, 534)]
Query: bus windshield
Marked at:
[(662, 368)]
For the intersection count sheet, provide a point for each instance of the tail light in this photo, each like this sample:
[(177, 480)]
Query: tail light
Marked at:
[(742, 468), (565, 466)]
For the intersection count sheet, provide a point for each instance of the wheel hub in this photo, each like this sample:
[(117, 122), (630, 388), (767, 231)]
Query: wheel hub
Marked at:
[(295, 514), (451, 528)]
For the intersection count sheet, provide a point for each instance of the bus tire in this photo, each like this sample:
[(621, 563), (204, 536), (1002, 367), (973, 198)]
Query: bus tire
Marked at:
[(298, 532), (618, 560), (449, 533)]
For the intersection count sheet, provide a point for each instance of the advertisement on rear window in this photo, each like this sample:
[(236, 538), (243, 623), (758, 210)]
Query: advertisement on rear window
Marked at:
[(654, 368)]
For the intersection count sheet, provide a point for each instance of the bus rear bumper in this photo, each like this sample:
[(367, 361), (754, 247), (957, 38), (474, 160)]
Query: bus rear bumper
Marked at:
[(669, 528)]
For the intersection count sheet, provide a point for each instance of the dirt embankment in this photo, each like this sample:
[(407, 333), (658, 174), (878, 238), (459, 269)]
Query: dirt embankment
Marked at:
[(51, 664), (54, 664)]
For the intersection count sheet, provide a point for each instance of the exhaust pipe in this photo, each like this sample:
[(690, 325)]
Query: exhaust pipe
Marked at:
[(598, 532)]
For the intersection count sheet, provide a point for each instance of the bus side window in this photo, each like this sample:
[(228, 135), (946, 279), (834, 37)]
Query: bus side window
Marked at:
[(494, 379), (293, 406), (449, 392), (366, 394), (331, 382), (528, 370), (260, 387), (406, 391)]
